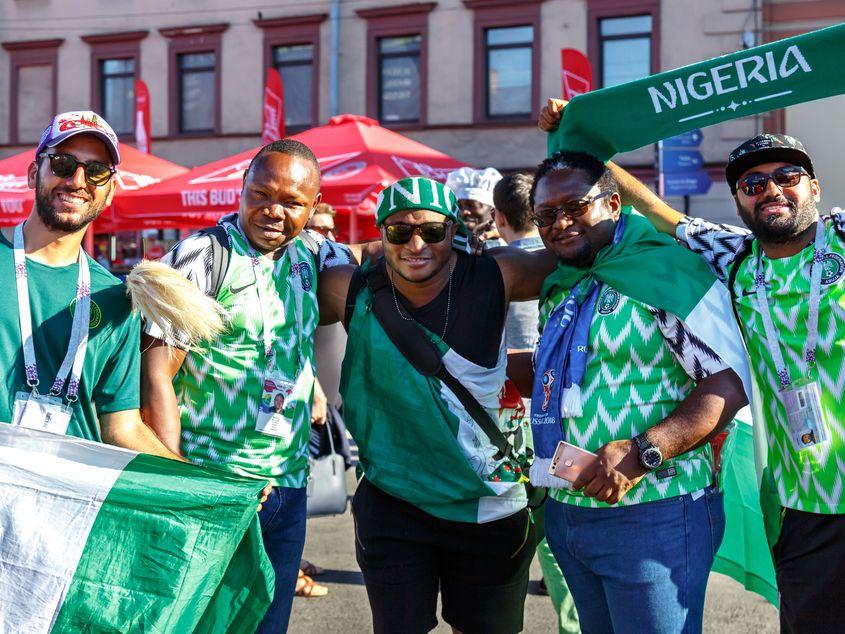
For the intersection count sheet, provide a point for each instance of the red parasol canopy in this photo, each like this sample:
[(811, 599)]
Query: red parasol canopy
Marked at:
[(137, 170), (357, 156)]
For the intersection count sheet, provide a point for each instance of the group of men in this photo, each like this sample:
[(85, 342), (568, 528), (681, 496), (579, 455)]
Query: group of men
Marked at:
[(641, 360)]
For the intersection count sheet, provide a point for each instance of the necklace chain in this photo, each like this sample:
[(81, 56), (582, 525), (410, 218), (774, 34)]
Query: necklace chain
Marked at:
[(448, 301)]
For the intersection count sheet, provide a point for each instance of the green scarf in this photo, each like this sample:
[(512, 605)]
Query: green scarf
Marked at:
[(645, 265), (763, 78)]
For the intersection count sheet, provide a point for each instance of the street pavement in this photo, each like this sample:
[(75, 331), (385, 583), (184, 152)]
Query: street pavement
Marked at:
[(330, 544)]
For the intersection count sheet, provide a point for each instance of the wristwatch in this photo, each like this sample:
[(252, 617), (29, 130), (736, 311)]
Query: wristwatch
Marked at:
[(650, 456)]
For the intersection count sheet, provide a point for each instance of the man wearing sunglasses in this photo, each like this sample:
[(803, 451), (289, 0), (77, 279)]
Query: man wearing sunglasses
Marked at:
[(440, 509), (69, 297), (627, 370), (786, 277)]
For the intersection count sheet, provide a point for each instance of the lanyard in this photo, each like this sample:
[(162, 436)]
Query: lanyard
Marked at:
[(75, 355), (266, 331), (772, 341)]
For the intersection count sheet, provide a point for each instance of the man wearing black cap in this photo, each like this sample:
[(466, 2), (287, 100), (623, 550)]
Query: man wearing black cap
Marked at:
[(59, 304), (787, 280)]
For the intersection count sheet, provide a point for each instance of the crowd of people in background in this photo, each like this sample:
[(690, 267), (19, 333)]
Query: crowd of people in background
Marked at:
[(467, 371)]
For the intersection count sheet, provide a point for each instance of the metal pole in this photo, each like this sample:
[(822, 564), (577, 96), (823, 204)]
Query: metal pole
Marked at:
[(334, 64)]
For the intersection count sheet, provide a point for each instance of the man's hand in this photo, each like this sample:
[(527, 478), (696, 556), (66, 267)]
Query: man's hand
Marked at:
[(319, 405), (550, 115), (262, 497), (615, 472)]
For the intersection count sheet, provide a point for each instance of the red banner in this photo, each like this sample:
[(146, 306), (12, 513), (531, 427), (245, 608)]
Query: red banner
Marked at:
[(576, 73), (273, 118), (142, 117)]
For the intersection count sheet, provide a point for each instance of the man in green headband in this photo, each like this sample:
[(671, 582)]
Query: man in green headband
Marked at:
[(439, 506)]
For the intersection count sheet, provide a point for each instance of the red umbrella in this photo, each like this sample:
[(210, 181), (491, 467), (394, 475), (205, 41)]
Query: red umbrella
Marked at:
[(137, 170), (358, 158)]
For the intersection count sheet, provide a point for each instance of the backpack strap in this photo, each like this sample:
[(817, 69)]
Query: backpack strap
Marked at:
[(313, 247), (739, 258), (425, 357), (221, 254)]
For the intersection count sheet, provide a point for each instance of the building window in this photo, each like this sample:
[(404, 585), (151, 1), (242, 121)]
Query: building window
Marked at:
[(295, 64), (625, 49), (292, 46), (508, 77), (117, 87), (399, 79), (196, 92), (620, 40), (115, 65), (397, 63), (194, 79), (506, 53), (32, 88)]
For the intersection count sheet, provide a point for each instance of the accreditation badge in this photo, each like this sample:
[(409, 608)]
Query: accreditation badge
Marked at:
[(42, 412), (275, 416), (803, 404)]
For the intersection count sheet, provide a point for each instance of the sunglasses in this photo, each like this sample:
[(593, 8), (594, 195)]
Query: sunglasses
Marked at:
[(755, 183), (65, 166), (430, 232), (576, 209), (324, 231)]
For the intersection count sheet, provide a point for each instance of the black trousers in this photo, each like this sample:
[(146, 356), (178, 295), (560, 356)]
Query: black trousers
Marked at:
[(408, 555), (810, 567)]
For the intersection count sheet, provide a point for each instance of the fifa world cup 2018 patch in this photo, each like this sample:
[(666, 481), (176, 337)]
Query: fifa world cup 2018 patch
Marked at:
[(832, 268)]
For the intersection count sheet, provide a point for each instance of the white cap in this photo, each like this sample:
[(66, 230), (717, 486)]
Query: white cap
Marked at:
[(473, 184)]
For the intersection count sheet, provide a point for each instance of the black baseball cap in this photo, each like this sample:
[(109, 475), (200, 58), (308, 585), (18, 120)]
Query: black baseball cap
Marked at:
[(766, 148)]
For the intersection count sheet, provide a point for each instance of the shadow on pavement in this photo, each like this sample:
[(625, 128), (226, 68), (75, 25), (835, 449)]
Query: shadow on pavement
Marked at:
[(348, 577)]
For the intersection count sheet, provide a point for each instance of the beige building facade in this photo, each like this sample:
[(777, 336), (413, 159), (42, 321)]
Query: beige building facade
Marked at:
[(465, 76)]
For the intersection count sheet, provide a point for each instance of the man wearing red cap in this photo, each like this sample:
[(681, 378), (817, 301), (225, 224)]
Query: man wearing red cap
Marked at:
[(66, 326)]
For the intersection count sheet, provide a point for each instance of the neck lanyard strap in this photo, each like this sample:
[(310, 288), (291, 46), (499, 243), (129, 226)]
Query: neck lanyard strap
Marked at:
[(266, 333), (772, 341), (78, 344)]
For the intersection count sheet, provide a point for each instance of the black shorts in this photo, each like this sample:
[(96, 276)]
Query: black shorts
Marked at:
[(810, 566), (406, 555)]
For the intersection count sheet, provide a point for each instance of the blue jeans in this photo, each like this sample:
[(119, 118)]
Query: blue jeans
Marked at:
[(640, 568), (282, 520)]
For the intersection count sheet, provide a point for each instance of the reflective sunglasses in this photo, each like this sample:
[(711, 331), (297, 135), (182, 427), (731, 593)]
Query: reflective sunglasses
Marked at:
[(572, 210), (430, 232), (65, 166), (755, 183)]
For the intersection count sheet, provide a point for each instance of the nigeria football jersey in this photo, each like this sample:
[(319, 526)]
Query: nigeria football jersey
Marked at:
[(641, 363), (812, 479), (220, 385)]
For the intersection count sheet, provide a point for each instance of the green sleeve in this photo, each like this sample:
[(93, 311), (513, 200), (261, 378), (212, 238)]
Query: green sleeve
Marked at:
[(119, 387)]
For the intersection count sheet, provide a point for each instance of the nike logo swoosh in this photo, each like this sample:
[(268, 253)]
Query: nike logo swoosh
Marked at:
[(237, 290)]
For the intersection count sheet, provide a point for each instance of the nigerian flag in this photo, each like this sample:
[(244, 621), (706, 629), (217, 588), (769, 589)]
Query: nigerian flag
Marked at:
[(98, 538)]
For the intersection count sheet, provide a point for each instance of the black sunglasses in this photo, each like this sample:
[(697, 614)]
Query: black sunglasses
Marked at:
[(430, 232), (547, 217), (755, 183), (65, 166)]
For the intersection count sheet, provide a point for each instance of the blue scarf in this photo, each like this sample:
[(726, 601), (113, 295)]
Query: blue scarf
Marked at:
[(559, 366)]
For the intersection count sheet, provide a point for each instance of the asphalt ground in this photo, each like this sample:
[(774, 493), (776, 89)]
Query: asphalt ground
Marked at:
[(330, 544)]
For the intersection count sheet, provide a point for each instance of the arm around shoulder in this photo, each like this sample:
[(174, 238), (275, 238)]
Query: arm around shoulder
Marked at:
[(332, 290), (523, 271)]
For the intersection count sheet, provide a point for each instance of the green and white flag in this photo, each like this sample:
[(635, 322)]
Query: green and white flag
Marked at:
[(98, 538), (776, 75)]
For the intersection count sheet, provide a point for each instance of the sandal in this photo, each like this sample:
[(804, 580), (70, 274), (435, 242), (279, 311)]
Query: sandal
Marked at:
[(312, 570), (307, 587)]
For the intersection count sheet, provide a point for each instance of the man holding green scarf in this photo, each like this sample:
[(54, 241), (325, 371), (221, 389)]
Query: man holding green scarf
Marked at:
[(641, 363), (439, 506)]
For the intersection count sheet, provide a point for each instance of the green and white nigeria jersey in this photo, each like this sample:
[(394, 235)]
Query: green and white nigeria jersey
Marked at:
[(641, 363), (812, 479), (219, 387)]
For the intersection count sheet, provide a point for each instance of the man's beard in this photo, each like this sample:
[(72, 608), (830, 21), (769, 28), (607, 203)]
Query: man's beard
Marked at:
[(583, 258), (777, 229), (57, 221)]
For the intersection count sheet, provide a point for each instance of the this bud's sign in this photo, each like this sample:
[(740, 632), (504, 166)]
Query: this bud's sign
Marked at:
[(746, 74), (775, 75)]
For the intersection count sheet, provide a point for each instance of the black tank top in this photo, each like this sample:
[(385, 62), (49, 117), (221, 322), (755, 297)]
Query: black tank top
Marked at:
[(476, 315)]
